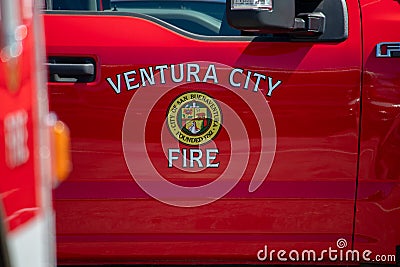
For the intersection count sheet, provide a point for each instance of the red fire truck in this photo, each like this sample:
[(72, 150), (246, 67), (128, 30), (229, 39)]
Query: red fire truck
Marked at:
[(206, 131), (30, 140)]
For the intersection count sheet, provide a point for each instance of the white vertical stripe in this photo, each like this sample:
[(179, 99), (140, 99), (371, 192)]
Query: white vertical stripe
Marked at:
[(26, 245)]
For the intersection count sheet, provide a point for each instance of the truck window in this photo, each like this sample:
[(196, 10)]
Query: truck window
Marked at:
[(203, 17), (74, 5), (199, 17), (208, 17)]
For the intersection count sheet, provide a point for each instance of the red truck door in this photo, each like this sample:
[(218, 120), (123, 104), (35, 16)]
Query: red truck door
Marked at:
[(161, 110)]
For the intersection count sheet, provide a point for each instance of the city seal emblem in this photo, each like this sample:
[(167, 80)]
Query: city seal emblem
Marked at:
[(194, 118)]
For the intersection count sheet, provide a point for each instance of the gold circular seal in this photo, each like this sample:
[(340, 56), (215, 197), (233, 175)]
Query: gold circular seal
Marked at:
[(194, 118)]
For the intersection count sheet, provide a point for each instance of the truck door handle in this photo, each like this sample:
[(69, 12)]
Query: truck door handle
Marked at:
[(71, 69)]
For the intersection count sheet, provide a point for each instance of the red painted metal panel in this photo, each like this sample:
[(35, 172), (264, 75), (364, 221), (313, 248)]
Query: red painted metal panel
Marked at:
[(378, 212), (307, 200)]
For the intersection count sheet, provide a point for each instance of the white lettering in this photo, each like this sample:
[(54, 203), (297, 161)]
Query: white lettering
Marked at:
[(238, 78), (259, 77), (194, 156), (355, 255), (213, 75), (281, 255), (321, 258), (173, 76), (332, 257), (271, 86), (296, 253), (171, 157), (161, 68), (16, 138), (366, 255), (117, 89), (145, 76), (260, 253), (197, 159), (271, 254), (210, 158), (193, 73), (246, 84), (184, 158), (129, 80), (231, 76), (311, 255)]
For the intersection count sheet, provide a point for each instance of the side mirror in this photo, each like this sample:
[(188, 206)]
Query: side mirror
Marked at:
[(322, 19), (277, 16)]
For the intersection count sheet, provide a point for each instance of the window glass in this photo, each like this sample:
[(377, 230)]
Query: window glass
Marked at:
[(204, 17), (74, 5)]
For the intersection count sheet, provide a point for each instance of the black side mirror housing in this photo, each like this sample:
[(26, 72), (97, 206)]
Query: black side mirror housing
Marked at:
[(305, 18), (281, 18), (320, 20)]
